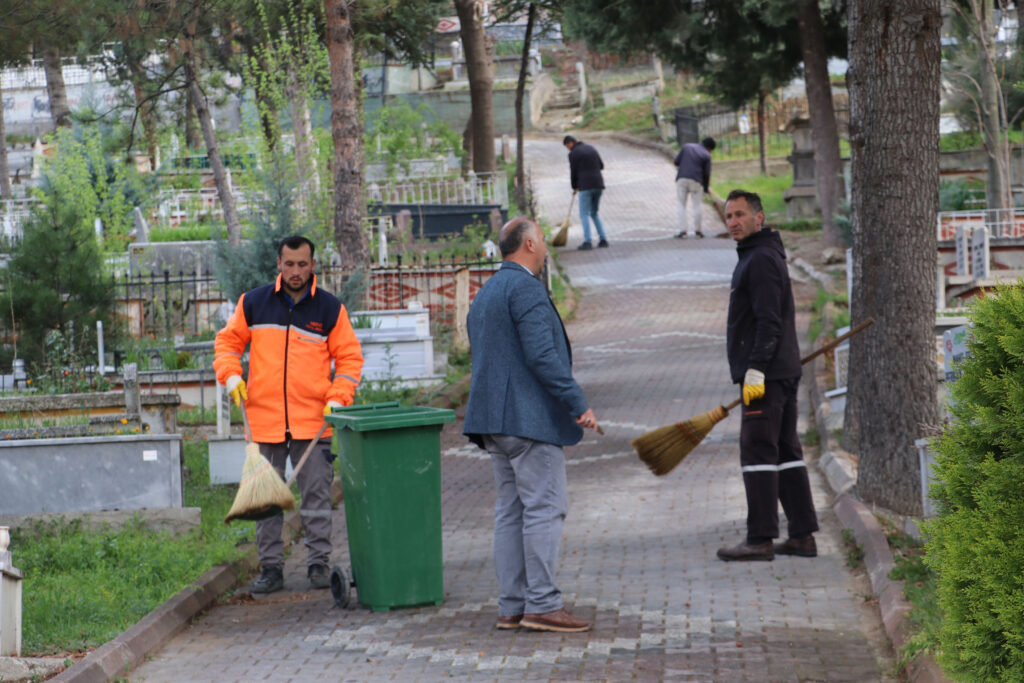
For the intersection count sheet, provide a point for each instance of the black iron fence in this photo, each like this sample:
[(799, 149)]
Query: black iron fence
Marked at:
[(187, 304)]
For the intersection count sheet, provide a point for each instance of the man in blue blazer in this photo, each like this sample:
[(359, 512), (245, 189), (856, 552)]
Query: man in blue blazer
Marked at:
[(524, 406)]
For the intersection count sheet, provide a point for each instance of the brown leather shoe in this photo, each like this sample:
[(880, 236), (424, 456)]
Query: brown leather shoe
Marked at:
[(748, 553), (559, 620), (508, 623), (802, 547)]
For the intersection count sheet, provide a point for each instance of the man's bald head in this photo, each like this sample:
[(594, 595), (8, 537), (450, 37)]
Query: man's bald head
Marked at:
[(522, 241), (514, 233)]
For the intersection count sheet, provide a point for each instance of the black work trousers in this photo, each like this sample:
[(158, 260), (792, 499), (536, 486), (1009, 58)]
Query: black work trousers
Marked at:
[(772, 462)]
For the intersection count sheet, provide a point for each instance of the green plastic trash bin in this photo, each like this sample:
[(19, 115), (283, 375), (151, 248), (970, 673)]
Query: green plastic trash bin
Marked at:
[(391, 475)]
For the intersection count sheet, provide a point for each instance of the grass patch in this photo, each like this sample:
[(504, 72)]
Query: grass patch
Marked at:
[(83, 587), (799, 225), (968, 139), (854, 550), (770, 188), (840, 319), (919, 590), (637, 118)]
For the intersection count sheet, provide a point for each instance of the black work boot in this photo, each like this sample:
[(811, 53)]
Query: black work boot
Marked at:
[(271, 579), (319, 576)]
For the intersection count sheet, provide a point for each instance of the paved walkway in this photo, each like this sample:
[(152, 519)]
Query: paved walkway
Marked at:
[(639, 551)]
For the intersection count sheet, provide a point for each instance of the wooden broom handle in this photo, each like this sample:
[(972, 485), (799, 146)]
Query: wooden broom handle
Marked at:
[(836, 342), (817, 352), (245, 422), (305, 454)]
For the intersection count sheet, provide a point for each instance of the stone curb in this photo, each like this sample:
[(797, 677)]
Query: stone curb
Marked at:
[(839, 469), (129, 649)]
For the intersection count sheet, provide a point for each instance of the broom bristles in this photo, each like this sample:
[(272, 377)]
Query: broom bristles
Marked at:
[(665, 447), (261, 493), (562, 236)]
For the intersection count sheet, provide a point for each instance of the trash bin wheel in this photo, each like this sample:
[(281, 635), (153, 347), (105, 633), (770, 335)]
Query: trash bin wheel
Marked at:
[(339, 587)]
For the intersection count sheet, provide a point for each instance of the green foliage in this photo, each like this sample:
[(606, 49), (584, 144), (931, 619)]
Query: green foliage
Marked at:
[(841, 318), (919, 589), (976, 544), (769, 187), (854, 550), (254, 263), (960, 195), (397, 134), (183, 233), (82, 587), (83, 171), (59, 255), (799, 225)]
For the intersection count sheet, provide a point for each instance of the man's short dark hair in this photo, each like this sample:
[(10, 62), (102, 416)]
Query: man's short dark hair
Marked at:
[(513, 233), (567, 139), (753, 199), (294, 242), (708, 143)]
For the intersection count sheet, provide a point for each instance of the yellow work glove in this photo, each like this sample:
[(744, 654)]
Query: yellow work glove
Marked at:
[(331, 405), (236, 389), (753, 386)]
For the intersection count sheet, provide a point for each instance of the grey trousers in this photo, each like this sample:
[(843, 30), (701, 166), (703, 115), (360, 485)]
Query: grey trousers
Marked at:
[(532, 503), (314, 480)]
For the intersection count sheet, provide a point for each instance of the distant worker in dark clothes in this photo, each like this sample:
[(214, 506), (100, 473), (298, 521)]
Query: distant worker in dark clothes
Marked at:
[(692, 178), (523, 407), (585, 167), (764, 358)]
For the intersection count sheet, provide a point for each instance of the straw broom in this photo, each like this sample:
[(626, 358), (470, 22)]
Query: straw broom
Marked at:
[(562, 236), (261, 493), (665, 447)]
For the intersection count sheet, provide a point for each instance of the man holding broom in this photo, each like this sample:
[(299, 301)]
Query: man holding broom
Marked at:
[(295, 331), (764, 358), (524, 406)]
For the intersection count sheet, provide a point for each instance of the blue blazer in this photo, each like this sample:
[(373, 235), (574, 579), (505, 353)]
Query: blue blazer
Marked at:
[(522, 381)]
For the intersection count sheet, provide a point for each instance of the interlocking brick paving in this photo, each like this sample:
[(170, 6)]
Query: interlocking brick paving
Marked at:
[(638, 555)]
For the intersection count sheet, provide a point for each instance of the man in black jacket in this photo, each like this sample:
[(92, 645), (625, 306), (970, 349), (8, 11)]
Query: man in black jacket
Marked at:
[(585, 175), (764, 357)]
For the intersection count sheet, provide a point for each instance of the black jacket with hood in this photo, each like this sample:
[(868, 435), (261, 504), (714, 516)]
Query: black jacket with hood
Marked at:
[(761, 331)]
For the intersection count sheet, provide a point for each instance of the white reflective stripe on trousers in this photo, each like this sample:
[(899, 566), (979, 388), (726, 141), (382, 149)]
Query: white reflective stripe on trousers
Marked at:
[(773, 468)]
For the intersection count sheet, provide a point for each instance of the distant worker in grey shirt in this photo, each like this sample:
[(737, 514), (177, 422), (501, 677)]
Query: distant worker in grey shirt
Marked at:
[(692, 178)]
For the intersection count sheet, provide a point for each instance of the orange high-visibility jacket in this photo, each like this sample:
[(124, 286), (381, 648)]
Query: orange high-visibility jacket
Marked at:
[(291, 347)]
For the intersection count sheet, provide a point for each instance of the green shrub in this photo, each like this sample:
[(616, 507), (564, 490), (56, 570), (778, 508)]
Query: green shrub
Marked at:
[(976, 543), (959, 195)]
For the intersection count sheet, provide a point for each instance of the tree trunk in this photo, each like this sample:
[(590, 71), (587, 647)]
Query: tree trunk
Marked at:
[(480, 71), (347, 133), (220, 176), (145, 107), (1020, 22), (894, 141), (5, 171), (58, 94), (762, 134), (521, 198), (993, 125), (827, 164), (193, 136)]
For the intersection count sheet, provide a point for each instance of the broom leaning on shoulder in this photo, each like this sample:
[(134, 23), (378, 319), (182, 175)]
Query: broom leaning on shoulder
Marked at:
[(665, 447)]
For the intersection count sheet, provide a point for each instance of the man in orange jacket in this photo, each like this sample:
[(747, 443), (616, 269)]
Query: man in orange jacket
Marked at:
[(294, 332)]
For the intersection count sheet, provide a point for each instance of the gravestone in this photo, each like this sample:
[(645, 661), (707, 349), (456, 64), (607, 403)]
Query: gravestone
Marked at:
[(963, 250), (802, 198), (980, 253), (141, 226), (954, 347)]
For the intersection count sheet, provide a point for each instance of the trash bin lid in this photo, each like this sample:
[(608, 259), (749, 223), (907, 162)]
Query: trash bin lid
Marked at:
[(388, 415)]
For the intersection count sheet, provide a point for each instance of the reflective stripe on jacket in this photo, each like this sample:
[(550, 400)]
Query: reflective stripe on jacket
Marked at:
[(290, 352)]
